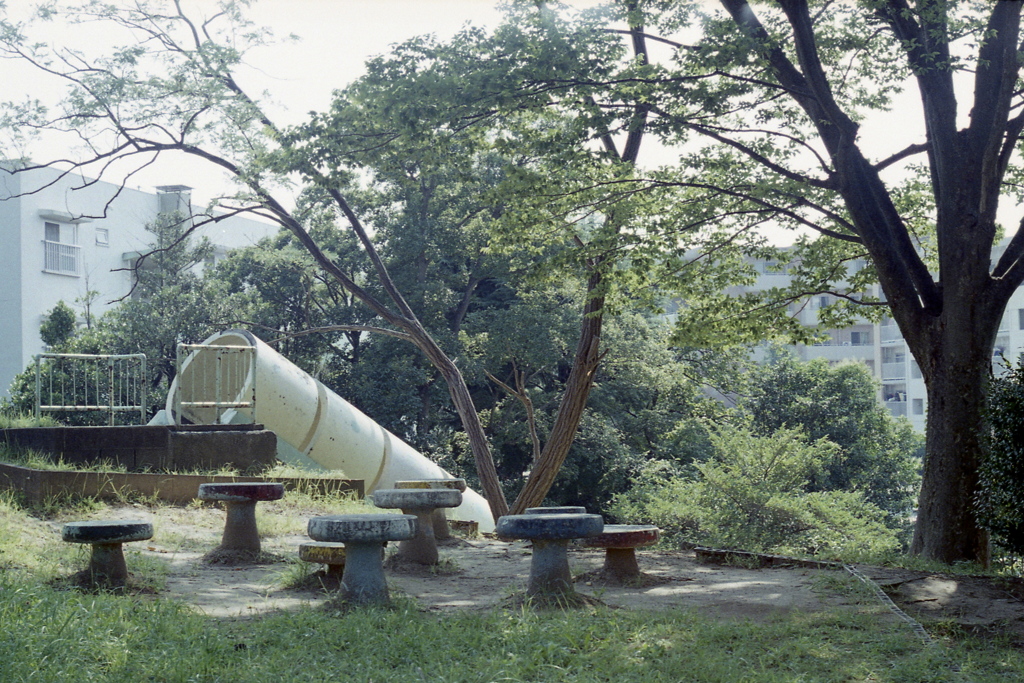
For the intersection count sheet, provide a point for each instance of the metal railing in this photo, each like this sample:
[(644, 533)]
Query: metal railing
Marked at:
[(216, 378), (63, 259), (81, 383)]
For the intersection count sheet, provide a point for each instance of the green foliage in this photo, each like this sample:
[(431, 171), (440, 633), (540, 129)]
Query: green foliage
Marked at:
[(751, 495), (1002, 472), (642, 407), (59, 326), (879, 455)]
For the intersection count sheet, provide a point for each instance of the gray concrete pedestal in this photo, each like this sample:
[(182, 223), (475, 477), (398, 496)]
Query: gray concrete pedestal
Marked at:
[(549, 568), (362, 581)]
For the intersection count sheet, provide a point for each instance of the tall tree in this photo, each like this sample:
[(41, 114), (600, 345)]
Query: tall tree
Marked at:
[(171, 88), (763, 110), (832, 64), (528, 92)]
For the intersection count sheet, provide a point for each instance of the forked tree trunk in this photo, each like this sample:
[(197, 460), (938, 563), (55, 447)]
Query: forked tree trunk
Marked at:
[(463, 402), (570, 409)]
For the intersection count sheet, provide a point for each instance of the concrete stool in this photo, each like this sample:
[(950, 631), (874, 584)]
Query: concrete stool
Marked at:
[(439, 519), (557, 510), (422, 503), (620, 542), (331, 555), (362, 581), (240, 501), (106, 565), (550, 533)]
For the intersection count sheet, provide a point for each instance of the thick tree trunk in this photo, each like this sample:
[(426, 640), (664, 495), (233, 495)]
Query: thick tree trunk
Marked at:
[(946, 529), (956, 372)]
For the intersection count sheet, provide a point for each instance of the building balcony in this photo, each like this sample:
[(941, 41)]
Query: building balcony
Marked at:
[(897, 408), (62, 259), (890, 333), (891, 371)]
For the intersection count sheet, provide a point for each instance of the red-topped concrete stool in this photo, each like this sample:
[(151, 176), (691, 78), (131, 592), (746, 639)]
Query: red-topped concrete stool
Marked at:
[(240, 500), (620, 542), (550, 533), (421, 548), (439, 518), (331, 555), (364, 536), (106, 565)]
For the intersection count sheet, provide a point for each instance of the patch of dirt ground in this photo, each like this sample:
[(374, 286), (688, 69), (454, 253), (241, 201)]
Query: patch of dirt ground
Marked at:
[(482, 573)]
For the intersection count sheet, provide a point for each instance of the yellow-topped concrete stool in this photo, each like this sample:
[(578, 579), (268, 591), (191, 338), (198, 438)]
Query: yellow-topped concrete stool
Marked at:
[(439, 518), (421, 548), (331, 555)]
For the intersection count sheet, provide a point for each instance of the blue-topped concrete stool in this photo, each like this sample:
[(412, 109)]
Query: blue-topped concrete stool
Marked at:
[(557, 510), (439, 518), (106, 565), (362, 581), (550, 533), (240, 500), (620, 542), (422, 548)]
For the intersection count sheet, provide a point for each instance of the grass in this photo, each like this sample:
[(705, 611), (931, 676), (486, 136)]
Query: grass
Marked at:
[(43, 461), (51, 634), (21, 421)]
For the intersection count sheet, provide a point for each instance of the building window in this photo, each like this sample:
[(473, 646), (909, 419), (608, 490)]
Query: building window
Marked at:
[(103, 237), (61, 253), (1020, 318), (860, 338), (918, 406)]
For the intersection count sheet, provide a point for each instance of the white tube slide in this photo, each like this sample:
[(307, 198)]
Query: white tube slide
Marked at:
[(313, 424)]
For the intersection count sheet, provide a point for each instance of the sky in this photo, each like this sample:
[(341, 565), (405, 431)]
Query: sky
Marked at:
[(335, 38)]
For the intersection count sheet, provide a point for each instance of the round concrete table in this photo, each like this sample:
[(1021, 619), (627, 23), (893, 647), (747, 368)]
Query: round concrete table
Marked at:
[(550, 533), (422, 548), (557, 510), (439, 518), (362, 581), (240, 500), (620, 542), (106, 565)]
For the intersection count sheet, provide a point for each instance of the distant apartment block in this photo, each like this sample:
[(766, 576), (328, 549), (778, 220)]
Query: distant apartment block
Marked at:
[(61, 237), (881, 347)]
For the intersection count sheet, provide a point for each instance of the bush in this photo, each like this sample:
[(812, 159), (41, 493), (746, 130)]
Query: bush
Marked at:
[(1001, 487), (880, 454), (750, 495)]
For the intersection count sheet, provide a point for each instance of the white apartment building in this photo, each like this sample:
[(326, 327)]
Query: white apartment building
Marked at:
[(62, 237), (881, 347)]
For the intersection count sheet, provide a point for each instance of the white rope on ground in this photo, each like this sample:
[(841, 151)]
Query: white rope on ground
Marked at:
[(913, 623)]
